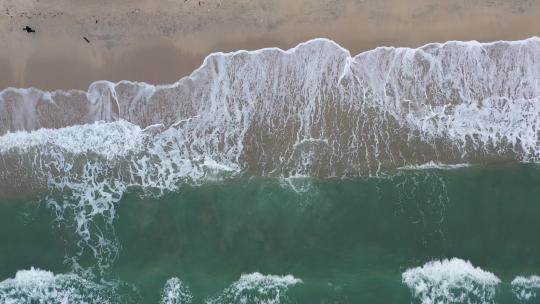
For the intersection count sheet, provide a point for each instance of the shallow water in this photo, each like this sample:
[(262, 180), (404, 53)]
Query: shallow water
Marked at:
[(337, 240), (302, 176)]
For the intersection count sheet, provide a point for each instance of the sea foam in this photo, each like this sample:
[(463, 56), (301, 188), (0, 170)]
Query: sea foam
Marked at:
[(434, 166), (256, 288), (310, 111), (526, 288), (176, 292), (41, 286), (316, 110), (451, 281)]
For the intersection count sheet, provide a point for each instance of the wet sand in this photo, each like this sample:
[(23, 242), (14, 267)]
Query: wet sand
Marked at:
[(161, 41)]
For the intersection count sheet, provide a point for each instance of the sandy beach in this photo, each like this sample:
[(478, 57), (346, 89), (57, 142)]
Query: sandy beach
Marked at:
[(161, 41), (392, 157)]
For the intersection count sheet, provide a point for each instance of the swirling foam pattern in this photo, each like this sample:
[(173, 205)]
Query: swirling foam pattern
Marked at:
[(313, 110)]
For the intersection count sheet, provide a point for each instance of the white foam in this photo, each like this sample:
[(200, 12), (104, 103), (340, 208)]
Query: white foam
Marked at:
[(176, 292), (526, 288), (41, 286), (451, 281), (312, 110), (106, 139), (256, 288), (434, 166), (450, 99)]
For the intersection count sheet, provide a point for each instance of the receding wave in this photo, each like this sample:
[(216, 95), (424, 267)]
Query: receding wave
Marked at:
[(311, 111), (176, 292), (316, 110)]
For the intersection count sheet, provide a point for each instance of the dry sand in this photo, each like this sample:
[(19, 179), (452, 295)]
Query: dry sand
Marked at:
[(160, 41)]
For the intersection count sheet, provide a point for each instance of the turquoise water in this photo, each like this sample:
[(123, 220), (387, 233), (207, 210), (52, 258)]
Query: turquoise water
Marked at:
[(347, 240), (307, 175)]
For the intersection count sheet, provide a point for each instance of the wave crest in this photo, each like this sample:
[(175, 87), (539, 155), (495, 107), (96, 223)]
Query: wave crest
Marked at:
[(309, 111), (257, 288), (451, 281), (40, 286)]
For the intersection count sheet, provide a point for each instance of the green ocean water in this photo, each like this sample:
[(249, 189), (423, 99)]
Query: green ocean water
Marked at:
[(347, 240)]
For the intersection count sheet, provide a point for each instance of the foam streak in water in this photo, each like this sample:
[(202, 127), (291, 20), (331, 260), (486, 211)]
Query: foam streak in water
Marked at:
[(313, 110)]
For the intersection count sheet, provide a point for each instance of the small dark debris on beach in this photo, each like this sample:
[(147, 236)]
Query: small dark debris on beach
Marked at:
[(29, 29), (86, 39)]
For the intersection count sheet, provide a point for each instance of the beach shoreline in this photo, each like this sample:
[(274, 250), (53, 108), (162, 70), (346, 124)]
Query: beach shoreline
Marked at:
[(162, 41)]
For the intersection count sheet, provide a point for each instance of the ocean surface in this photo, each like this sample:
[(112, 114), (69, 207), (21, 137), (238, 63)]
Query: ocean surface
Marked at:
[(301, 176)]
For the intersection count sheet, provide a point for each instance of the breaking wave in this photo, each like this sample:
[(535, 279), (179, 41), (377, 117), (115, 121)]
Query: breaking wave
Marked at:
[(451, 281), (176, 292), (526, 288), (314, 109), (40, 286), (256, 288)]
